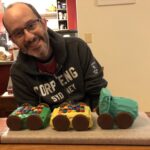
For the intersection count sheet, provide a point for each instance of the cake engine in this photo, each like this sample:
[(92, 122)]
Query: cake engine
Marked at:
[(115, 112)]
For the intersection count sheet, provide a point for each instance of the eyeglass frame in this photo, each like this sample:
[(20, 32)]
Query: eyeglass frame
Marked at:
[(28, 27)]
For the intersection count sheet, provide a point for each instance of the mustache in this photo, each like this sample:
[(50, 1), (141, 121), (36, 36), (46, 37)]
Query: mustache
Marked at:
[(29, 43)]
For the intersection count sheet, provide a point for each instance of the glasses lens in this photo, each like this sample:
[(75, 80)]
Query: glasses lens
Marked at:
[(32, 25), (19, 33)]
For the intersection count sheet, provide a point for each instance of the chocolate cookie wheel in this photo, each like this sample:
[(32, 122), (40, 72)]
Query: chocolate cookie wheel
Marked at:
[(61, 123), (14, 123), (123, 120), (34, 122), (80, 123), (105, 121)]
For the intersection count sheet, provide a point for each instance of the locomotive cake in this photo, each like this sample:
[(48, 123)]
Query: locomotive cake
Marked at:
[(115, 112), (71, 116), (30, 117)]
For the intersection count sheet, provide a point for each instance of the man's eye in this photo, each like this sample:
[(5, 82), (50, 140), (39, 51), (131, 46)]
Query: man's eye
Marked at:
[(18, 33), (30, 26)]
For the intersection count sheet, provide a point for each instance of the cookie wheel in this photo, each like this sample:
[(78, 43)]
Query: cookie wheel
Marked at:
[(34, 122), (14, 123), (61, 123), (105, 121), (80, 123), (123, 120)]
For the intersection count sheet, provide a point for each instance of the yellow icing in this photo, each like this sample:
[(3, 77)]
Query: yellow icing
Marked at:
[(70, 115)]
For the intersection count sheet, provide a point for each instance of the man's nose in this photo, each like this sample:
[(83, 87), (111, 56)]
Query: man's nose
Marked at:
[(28, 36)]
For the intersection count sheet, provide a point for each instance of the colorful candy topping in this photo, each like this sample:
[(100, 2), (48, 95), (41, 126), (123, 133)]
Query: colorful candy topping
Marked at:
[(25, 109), (67, 108)]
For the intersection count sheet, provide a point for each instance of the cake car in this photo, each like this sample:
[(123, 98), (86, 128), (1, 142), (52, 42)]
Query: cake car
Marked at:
[(115, 112), (30, 117), (76, 116)]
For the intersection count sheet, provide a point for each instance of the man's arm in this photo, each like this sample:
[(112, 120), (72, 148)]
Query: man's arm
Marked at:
[(22, 92), (93, 75)]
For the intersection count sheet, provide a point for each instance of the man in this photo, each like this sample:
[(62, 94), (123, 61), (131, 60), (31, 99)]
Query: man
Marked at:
[(50, 68)]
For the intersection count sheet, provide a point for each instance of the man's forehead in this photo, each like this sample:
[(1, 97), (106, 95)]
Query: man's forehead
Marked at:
[(18, 7), (17, 12)]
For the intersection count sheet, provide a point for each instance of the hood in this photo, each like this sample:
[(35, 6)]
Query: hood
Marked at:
[(57, 43)]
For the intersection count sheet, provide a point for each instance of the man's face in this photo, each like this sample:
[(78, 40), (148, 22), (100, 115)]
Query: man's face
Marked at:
[(27, 32)]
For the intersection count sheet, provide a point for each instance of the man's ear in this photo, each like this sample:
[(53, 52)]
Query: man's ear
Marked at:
[(44, 22)]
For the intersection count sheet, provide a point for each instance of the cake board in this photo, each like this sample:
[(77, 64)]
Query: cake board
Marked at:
[(138, 134)]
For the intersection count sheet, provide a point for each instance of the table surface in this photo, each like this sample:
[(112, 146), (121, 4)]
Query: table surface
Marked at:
[(6, 62), (70, 147)]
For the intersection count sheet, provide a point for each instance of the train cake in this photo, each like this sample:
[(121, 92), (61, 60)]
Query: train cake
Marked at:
[(29, 117), (71, 116), (115, 112)]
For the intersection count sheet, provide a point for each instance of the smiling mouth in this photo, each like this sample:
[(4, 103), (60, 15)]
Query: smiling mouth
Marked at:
[(34, 44)]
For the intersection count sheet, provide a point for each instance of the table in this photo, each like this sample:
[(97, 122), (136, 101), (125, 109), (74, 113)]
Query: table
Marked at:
[(70, 147)]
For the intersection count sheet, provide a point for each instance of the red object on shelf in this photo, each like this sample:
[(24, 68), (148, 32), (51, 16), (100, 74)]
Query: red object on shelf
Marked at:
[(72, 14), (1, 15), (1, 24)]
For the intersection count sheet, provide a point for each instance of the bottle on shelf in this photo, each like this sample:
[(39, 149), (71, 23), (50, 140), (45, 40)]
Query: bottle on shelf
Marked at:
[(62, 14)]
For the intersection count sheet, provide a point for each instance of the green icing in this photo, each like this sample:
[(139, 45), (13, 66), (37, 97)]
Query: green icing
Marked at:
[(114, 105), (45, 116), (23, 112)]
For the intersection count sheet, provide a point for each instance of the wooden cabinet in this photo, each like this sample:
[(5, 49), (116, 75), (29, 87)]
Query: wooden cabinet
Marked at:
[(7, 105), (4, 75)]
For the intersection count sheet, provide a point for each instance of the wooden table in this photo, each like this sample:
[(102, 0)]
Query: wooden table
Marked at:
[(70, 147)]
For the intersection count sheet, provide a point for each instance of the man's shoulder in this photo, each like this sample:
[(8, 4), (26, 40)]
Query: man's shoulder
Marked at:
[(75, 42), (73, 39)]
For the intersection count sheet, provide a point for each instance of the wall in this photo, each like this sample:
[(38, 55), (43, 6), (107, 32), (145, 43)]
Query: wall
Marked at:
[(121, 43), (1, 15)]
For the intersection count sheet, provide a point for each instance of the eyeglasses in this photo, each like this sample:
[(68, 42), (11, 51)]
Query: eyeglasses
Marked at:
[(30, 27)]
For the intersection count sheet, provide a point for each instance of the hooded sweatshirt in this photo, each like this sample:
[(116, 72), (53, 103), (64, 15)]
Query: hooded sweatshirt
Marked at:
[(78, 76)]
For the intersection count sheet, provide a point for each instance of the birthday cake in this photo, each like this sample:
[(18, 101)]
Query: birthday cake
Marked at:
[(71, 116), (115, 112), (30, 117)]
